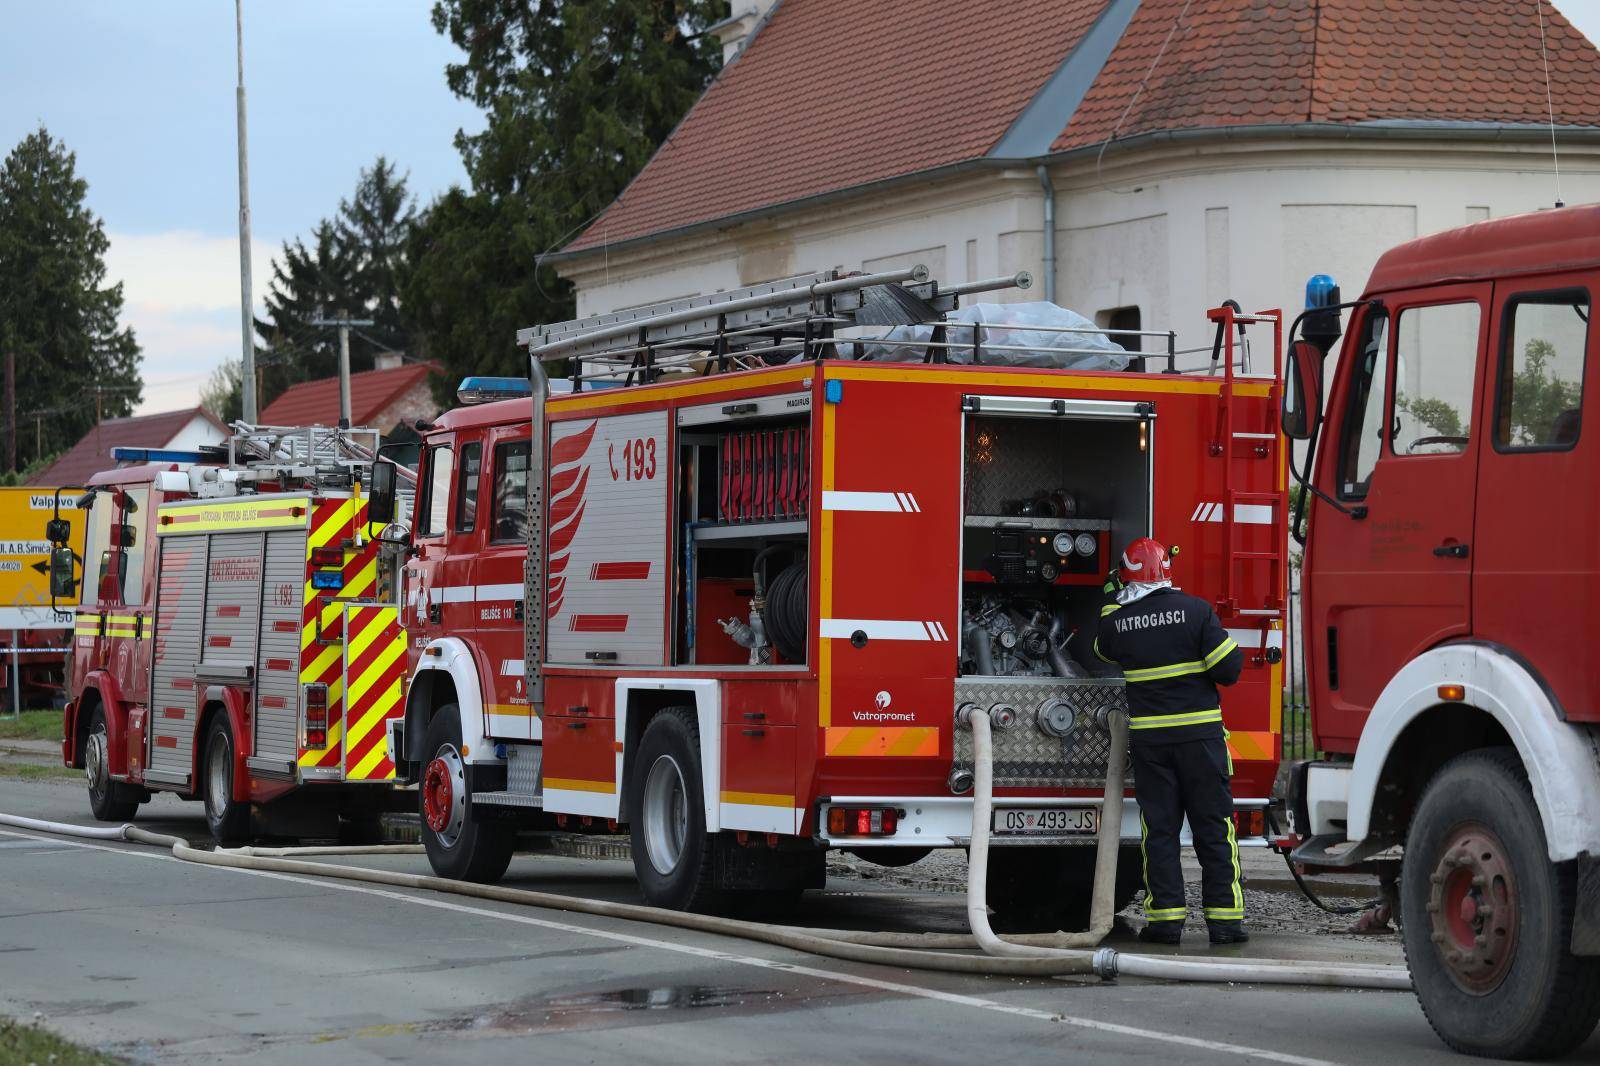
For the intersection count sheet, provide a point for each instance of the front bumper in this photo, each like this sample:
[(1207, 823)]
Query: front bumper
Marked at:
[(946, 821)]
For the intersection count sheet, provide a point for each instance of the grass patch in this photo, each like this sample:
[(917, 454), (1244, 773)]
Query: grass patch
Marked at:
[(30, 771), (27, 1044), (33, 725)]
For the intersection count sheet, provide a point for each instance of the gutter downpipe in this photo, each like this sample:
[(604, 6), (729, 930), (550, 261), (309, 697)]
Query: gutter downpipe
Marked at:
[(1049, 271)]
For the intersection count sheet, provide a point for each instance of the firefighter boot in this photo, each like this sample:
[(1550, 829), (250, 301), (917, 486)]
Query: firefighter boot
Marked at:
[(1169, 933), (1227, 933)]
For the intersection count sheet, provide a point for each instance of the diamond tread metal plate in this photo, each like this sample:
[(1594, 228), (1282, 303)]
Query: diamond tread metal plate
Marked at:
[(1027, 757)]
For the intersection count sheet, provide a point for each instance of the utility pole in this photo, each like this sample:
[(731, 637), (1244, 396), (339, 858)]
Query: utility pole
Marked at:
[(344, 322), (11, 409), (247, 317)]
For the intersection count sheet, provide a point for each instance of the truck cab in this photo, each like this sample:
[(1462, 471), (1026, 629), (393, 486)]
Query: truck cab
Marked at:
[(1447, 581)]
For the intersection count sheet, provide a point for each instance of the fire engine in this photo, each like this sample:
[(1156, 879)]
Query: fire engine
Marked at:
[(235, 639), (732, 587), (1447, 582)]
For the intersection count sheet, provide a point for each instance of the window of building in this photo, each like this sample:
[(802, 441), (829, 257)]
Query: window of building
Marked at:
[(1539, 401), (511, 491), (1363, 426), (436, 501), (1123, 318), (467, 487), (1436, 363)]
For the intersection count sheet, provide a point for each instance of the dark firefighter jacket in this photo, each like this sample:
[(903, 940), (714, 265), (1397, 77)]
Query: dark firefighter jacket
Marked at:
[(1174, 653)]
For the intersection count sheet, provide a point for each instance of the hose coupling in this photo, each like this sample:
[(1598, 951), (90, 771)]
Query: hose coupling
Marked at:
[(965, 712), (1105, 963), (960, 781), (1003, 715)]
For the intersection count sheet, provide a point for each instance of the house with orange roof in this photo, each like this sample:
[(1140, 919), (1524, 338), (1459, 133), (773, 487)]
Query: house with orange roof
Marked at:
[(1144, 159)]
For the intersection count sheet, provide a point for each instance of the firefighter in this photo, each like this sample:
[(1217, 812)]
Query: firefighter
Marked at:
[(1174, 653)]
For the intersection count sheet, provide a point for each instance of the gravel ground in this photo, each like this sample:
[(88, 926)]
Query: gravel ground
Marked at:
[(1278, 907)]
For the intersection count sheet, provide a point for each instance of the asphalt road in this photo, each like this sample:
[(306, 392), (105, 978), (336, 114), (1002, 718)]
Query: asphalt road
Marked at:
[(129, 950)]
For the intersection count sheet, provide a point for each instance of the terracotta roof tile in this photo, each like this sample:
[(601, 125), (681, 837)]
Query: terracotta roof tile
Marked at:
[(838, 93), (92, 454), (1353, 61), (833, 95), (312, 403)]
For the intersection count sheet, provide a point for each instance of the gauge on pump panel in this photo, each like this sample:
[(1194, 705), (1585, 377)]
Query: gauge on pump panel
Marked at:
[(1085, 544), (1062, 544)]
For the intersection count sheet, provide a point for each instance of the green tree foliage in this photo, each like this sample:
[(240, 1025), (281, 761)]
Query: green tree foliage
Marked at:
[(577, 95), (56, 311), (354, 263), (1436, 414), (222, 394), (1537, 399)]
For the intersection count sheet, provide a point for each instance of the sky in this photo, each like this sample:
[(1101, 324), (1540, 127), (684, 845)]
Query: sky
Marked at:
[(143, 92)]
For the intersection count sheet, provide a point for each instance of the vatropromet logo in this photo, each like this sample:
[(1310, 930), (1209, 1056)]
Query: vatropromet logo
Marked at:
[(569, 479)]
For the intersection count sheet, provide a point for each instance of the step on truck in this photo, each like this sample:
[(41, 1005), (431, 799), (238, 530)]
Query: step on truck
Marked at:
[(1449, 529), (732, 587), (234, 639)]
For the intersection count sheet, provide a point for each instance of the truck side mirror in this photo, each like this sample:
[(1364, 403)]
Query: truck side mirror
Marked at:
[(1302, 391), (58, 531), (123, 535), (381, 493), (63, 585)]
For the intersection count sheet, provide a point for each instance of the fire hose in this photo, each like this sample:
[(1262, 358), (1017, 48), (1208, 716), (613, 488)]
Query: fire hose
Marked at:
[(1045, 955)]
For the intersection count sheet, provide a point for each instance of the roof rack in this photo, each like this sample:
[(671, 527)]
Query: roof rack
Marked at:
[(303, 456)]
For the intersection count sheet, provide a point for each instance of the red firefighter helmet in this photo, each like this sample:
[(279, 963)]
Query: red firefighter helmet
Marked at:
[(1145, 561)]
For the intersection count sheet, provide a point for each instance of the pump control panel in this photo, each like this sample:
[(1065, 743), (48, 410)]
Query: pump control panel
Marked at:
[(1022, 551)]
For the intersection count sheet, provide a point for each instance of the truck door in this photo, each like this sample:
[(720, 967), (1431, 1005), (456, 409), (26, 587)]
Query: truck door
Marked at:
[(504, 518), (425, 571), (130, 627), (1403, 443), (1537, 463)]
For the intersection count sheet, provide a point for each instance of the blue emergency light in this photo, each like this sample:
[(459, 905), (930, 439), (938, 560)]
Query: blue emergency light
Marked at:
[(487, 389), (327, 579), (1321, 291), (155, 455)]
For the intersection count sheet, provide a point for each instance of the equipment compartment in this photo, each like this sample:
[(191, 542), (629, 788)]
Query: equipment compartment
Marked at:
[(1048, 496)]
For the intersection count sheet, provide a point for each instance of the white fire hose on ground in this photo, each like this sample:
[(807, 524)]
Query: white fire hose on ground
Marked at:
[(1047, 955)]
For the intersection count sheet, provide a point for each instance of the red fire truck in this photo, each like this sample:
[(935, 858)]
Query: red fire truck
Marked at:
[(235, 638), (1448, 575), (732, 590)]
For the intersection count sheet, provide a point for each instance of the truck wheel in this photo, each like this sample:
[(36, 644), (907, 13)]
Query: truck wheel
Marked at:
[(228, 818), (458, 847), (1489, 930), (672, 853), (1043, 889), (109, 801)]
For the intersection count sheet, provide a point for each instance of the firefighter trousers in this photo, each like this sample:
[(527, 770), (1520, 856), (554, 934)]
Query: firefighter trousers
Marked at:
[(1190, 778)]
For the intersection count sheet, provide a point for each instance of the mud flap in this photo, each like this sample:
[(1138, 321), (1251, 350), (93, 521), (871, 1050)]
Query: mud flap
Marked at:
[(1586, 913)]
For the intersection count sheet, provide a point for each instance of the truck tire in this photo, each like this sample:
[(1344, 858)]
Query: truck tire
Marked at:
[(1045, 889), (673, 856), (228, 818), (109, 801), (1489, 930), (458, 847)]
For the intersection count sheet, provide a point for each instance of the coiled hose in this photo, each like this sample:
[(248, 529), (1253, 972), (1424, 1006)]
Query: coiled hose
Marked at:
[(1035, 956), (786, 611)]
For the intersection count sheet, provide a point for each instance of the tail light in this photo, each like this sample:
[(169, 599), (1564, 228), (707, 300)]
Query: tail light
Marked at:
[(316, 704), (1250, 823), (327, 556), (863, 821)]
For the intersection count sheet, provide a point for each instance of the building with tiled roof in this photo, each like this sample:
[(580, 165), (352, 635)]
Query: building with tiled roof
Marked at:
[(185, 430), (1187, 151), (391, 397)]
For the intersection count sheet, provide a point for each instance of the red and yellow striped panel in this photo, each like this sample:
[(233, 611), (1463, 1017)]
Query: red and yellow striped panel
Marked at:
[(1252, 747), (333, 522), (873, 740), (374, 677)]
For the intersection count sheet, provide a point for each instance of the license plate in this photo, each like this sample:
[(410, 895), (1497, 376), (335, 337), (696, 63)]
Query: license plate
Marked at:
[(1046, 821)]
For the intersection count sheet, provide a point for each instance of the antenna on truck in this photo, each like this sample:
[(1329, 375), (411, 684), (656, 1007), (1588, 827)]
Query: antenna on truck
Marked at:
[(1549, 101)]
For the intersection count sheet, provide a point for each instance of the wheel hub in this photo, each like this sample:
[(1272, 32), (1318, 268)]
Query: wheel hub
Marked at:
[(444, 795), (1473, 909), (94, 761), (665, 811)]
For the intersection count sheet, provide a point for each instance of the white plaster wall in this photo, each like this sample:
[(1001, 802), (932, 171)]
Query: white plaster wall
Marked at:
[(1173, 230), (197, 432)]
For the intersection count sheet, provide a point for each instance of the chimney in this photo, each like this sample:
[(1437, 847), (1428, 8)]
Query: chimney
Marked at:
[(388, 360), (740, 25)]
